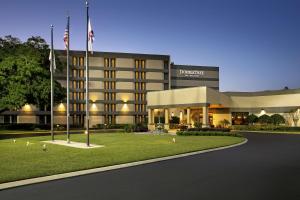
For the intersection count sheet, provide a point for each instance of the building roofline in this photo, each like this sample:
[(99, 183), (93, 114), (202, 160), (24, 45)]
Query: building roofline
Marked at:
[(195, 66), (264, 93), (118, 54)]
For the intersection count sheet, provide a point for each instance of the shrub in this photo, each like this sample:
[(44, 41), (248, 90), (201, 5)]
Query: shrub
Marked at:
[(224, 123), (21, 126), (198, 125), (209, 129), (207, 133), (277, 119), (128, 128), (269, 127), (140, 128), (110, 126), (174, 120), (251, 119), (265, 119), (183, 127)]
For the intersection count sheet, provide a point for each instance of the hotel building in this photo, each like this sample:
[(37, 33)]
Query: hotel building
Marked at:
[(129, 88)]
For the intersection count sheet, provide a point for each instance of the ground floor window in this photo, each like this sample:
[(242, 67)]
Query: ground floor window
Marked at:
[(10, 119), (239, 118)]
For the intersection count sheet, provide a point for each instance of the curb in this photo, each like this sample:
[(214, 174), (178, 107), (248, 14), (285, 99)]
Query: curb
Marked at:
[(268, 132), (103, 169)]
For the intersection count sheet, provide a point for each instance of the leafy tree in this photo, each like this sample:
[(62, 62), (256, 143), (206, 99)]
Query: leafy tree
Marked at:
[(251, 119), (265, 119), (277, 119), (25, 75)]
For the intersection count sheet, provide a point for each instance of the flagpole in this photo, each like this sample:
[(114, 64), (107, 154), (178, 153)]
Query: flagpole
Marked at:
[(68, 80), (52, 62), (87, 76)]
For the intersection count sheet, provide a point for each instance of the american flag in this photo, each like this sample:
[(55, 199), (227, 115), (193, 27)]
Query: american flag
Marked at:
[(91, 37), (66, 36)]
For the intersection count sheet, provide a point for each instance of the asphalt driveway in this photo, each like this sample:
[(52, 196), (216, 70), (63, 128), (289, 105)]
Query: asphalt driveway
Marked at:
[(267, 167)]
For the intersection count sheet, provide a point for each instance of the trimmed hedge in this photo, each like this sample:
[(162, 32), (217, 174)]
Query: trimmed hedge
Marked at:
[(265, 128), (128, 128), (110, 126), (209, 129), (207, 133), (29, 127)]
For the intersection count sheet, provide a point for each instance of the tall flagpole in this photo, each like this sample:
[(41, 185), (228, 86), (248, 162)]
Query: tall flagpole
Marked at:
[(87, 76), (52, 62), (68, 80)]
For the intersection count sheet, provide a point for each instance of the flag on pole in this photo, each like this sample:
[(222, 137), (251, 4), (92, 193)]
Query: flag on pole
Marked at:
[(91, 37), (50, 59), (66, 36)]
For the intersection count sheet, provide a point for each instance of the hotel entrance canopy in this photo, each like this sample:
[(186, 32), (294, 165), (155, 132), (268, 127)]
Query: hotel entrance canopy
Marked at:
[(187, 97), (201, 97)]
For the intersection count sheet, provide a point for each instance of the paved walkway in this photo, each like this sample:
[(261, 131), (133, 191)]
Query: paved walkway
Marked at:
[(79, 145), (267, 167)]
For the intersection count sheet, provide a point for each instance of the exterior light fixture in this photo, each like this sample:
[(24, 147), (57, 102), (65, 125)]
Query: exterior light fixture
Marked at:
[(263, 112), (27, 108)]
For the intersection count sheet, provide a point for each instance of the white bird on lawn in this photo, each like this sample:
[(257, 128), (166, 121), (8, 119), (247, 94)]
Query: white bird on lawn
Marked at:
[(174, 140), (14, 140)]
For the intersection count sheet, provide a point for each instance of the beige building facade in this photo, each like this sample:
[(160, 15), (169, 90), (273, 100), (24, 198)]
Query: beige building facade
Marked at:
[(209, 106), (132, 88)]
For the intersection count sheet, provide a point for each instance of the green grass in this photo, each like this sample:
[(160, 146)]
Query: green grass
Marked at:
[(21, 162)]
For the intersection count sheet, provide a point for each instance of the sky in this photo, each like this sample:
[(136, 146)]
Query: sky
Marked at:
[(256, 43)]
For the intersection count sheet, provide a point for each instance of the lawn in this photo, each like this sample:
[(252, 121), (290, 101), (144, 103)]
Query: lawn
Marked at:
[(19, 161)]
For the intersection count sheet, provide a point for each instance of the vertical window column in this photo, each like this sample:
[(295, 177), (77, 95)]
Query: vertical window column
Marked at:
[(140, 90), (109, 90)]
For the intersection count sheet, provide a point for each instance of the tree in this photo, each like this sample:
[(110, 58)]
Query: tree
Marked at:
[(25, 75), (251, 119), (277, 119), (264, 119)]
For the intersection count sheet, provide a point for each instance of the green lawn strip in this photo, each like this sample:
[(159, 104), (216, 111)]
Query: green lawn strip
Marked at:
[(21, 162)]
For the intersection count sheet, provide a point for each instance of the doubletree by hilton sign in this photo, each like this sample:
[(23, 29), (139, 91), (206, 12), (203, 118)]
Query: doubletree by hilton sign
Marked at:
[(191, 73)]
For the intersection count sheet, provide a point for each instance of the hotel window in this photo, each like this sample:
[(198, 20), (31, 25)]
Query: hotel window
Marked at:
[(140, 90), (109, 87), (78, 89)]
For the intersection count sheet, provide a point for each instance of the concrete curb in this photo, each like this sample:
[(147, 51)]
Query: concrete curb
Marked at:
[(103, 169), (268, 132)]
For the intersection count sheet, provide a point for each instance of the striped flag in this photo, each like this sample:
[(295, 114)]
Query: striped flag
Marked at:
[(66, 36), (91, 37), (50, 59)]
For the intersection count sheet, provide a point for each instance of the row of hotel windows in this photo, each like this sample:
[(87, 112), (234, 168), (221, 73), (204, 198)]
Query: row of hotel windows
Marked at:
[(109, 85), (140, 88)]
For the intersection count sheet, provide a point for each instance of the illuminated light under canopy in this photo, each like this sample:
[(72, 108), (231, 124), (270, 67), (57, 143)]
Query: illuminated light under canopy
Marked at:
[(94, 107), (263, 112), (27, 108), (61, 107), (125, 108)]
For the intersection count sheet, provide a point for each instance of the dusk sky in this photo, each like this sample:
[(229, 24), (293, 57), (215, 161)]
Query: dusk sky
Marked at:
[(256, 43)]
